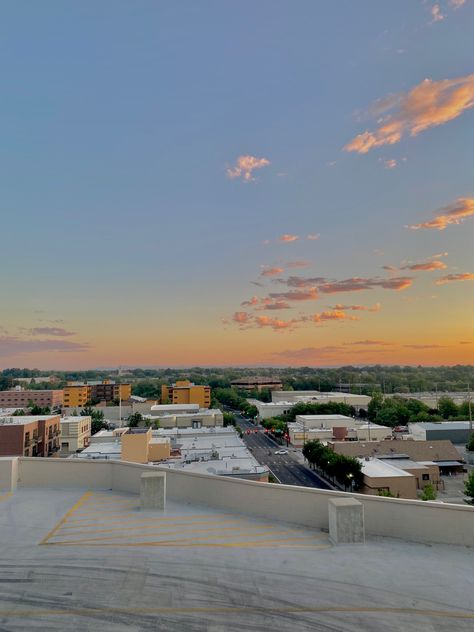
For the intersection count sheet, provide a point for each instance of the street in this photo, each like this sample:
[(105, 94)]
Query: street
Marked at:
[(285, 467)]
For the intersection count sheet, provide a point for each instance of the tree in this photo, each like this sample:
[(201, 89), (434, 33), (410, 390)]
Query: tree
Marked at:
[(134, 419), (447, 407), (229, 419), (429, 493), (97, 418), (375, 405), (469, 487), (470, 444)]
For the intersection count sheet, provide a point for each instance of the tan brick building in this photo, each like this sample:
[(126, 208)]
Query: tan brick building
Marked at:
[(33, 435), (25, 398)]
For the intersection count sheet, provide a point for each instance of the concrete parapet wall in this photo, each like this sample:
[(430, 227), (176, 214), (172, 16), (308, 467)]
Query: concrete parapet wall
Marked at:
[(411, 520)]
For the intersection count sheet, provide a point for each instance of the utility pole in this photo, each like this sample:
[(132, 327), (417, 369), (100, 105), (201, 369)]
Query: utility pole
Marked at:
[(470, 409)]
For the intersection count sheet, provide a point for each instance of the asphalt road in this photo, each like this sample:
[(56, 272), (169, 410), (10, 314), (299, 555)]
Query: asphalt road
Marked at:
[(285, 467)]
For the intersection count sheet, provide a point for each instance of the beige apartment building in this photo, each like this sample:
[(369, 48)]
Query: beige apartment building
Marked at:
[(186, 392), (139, 446), (75, 434), (20, 398)]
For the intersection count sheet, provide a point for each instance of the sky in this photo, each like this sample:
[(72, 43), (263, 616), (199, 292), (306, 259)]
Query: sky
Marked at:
[(236, 183)]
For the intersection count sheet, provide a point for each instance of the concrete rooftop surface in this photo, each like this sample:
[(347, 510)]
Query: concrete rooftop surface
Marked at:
[(91, 560)]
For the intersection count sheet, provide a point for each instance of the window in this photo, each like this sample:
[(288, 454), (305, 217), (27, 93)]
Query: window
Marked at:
[(426, 477)]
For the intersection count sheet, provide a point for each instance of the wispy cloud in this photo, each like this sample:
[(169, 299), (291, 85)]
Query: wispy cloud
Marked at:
[(51, 331), (270, 272), (456, 4), (313, 236), (275, 323), (251, 302), (287, 238), (423, 346), (311, 294), (389, 163), (429, 104), (308, 353), (368, 343), (463, 276), (335, 314), (245, 166), (271, 305), (454, 213), (436, 14), (358, 308), (13, 345), (298, 264), (428, 266), (354, 284), (241, 318)]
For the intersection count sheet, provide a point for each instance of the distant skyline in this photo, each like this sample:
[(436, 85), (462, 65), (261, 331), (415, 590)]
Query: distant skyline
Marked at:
[(214, 183)]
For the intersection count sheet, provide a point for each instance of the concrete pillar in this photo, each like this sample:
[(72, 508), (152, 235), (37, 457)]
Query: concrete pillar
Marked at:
[(153, 490), (8, 473), (346, 521)]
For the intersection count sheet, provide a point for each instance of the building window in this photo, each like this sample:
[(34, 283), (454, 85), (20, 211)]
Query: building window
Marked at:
[(426, 477)]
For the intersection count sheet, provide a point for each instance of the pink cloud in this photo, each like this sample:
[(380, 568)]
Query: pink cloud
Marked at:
[(427, 266), (463, 276), (454, 213), (270, 272), (436, 14), (245, 166), (298, 264), (286, 238), (296, 295), (275, 323), (251, 302), (241, 318), (337, 315), (353, 284), (357, 308), (429, 104), (313, 236)]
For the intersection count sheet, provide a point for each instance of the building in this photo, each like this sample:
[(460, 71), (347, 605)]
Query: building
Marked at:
[(257, 384), (186, 416), (318, 397), (334, 427), (431, 398), (75, 434), (186, 392), (443, 453), (401, 477), (455, 431), (140, 446), (82, 393), (20, 398), (29, 435)]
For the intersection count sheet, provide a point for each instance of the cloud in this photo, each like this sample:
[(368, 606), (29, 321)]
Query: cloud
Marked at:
[(313, 236), (270, 272), (429, 104), (465, 342), (310, 294), (51, 331), (275, 323), (358, 308), (423, 346), (268, 304), (298, 264), (308, 353), (454, 213), (436, 14), (367, 343), (390, 268), (251, 302), (427, 266), (257, 283), (241, 318), (336, 314), (245, 166), (463, 276), (13, 345), (456, 4), (390, 163), (288, 238), (354, 284)]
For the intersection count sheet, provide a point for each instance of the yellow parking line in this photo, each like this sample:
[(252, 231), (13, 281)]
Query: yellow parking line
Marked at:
[(176, 541), (69, 513), (157, 527), (6, 496), (127, 518), (191, 543)]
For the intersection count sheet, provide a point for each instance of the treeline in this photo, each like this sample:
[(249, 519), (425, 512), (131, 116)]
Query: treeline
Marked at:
[(345, 470), (399, 411)]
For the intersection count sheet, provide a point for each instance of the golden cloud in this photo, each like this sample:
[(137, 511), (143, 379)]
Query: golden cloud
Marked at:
[(269, 272), (429, 104), (288, 238), (357, 308), (427, 267), (332, 315), (463, 276), (454, 213), (245, 166)]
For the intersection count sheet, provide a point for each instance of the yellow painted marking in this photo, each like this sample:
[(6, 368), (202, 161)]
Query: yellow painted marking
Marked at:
[(68, 530), (139, 533), (177, 541), (133, 519), (259, 610), (6, 496), (74, 508), (191, 543)]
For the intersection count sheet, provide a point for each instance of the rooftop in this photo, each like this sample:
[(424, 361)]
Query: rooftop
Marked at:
[(442, 425), (442, 450), (376, 468), (24, 419), (89, 559)]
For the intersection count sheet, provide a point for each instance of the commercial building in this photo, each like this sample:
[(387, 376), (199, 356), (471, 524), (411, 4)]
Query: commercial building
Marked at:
[(20, 398), (399, 476), (75, 434), (319, 397), (29, 435), (185, 416), (431, 398), (334, 427), (257, 384), (81, 393), (455, 431), (186, 392), (443, 453)]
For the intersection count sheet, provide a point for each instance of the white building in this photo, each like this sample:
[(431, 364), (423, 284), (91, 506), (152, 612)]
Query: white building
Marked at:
[(75, 434), (186, 416), (334, 427)]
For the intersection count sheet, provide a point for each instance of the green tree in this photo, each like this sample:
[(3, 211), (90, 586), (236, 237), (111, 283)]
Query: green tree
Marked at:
[(229, 419), (375, 405), (470, 444), (134, 420), (447, 407), (429, 493), (469, 487), (98, 422)]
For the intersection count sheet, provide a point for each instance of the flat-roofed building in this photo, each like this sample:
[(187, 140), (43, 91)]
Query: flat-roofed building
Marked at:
[(78, 394), (29, 435), (186, 416), (381, 477), (455, 431), (334, 428), (319, 397), (257, 383), (21, 398), (186, 392), (75, 433)]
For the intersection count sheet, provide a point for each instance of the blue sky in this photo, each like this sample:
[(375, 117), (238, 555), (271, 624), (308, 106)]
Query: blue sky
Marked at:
[(119, 120)]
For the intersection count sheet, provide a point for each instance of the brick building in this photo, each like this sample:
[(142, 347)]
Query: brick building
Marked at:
[(34, 435)]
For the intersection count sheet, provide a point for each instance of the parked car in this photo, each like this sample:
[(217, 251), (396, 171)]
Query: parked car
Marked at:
[(281, 452)]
